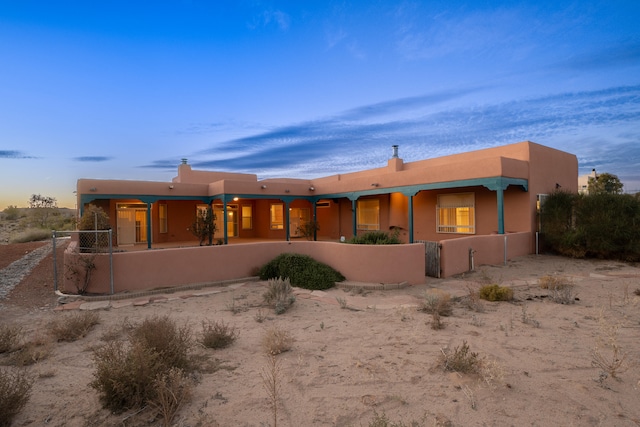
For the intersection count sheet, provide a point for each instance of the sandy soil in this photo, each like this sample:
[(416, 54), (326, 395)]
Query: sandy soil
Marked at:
[(377, 356)]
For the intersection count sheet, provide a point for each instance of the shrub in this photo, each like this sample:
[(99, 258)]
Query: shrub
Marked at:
[(217, 335), (496, 293), (276, 341), (561, 290), (437, 301), (11, 212), (279, 295), (15, 390), (162, 335), (302, 271), (461, 359), (10, 336), (73, 327), (32, 235), (597, 225), (172, 390), (126, 373), (33, 351), (551, 282), (376, 238)]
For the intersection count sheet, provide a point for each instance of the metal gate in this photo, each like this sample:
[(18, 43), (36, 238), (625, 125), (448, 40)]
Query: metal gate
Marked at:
[(432, 258), (84, 268)]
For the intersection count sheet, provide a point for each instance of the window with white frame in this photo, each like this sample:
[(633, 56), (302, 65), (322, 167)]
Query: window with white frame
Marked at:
[(456, 213), (277, 216), (368, 214)]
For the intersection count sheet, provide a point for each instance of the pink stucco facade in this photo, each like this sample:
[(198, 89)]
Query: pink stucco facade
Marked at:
[(501, 183)]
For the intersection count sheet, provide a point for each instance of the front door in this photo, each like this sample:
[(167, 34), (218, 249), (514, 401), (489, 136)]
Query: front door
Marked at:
[(298, 217), (132, 223), (232, 220)]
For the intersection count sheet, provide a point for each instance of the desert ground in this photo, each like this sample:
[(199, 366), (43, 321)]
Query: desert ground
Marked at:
[(362, 356)]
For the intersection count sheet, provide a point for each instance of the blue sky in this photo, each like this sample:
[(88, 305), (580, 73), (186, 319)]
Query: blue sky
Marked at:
[(124, 90)]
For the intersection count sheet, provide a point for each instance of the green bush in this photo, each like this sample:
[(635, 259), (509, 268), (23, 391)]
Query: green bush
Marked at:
[(496, 293), (376, 238), (302, 270), (600, 225)]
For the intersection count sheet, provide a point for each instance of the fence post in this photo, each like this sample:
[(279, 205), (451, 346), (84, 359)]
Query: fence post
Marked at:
[(55, 263), (111, 261), (505, 249)]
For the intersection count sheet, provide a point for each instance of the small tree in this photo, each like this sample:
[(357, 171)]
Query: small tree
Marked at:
[(42, 207), (204, 225), (605, 183), (94, 218)]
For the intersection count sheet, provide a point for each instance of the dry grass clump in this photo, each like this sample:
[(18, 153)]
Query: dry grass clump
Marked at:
[(15, 390), (74, 326), (561, 289), (461, 359), (279, 294), (276, 341), (472, 300), (271, 379), (172, 391), (608, 354), (496, 293), (10, 337), (133, 373), (437, 301), (217, 335), (637, 292), (30, 352), (165, 337)]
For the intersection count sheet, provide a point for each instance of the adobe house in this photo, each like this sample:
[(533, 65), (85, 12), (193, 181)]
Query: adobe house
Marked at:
[(461, 197)]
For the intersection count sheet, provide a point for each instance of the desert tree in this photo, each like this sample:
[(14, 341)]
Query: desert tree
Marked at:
[(42, 208), (605, 183)]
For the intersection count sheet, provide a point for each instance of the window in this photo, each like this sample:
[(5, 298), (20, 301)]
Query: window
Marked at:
[(456, 213), (368, 212), (277, 216), (247, 217), (162, 211)]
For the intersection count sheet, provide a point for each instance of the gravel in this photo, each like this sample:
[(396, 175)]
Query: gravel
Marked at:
[(13, 274)]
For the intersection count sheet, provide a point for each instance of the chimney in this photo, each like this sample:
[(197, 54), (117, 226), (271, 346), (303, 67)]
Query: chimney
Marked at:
[(395, 163)]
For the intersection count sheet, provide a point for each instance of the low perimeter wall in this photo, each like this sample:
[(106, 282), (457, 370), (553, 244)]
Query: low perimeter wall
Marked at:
[(160, 268), (454, 254)]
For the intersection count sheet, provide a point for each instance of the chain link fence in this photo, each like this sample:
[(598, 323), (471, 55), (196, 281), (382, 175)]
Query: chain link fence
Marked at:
[(88, 268)]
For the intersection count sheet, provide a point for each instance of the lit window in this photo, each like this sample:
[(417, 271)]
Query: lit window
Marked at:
[(368, 212), (247, 217), (162, 211), (277, 216), (456, 213)]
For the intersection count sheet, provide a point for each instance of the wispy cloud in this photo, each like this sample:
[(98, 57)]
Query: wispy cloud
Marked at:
[(622, 55), (14, 154), (360, 138), (92, 158), (267, 18)]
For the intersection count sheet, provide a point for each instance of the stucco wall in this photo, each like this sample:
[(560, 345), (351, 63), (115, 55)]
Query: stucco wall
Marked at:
[(152, 269), (487, 250)]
